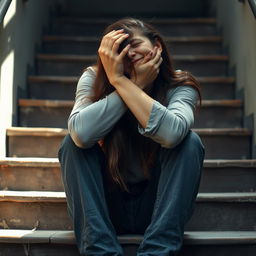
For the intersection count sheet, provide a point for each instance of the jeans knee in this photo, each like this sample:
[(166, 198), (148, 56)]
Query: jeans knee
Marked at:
[(67, 143), (193, 142)]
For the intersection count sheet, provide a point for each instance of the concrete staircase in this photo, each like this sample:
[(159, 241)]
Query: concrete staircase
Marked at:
[(33, 216)]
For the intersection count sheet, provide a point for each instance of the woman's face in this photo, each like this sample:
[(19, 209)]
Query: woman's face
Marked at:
[(140, 47)]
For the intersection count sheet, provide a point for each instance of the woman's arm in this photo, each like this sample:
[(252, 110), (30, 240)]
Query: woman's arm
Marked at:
[(136, 99), (132, 94), (89, 122), (169, 125)]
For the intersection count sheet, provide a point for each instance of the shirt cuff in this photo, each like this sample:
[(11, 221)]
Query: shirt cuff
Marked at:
[(157, 113)]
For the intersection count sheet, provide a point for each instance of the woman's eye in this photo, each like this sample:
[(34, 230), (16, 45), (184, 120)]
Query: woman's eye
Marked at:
[(135, 45)]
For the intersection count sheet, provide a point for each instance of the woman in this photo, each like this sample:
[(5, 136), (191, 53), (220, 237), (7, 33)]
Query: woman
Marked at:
[(130, 163)]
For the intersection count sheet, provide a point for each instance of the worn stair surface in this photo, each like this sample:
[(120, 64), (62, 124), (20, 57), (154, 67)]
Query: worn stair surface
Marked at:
[(33, 215), (55, 242)]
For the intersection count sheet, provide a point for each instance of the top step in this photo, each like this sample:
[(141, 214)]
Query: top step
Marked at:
[(168, 27)]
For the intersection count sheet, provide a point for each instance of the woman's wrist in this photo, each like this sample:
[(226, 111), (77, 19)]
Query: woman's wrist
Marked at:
[(118, 81)]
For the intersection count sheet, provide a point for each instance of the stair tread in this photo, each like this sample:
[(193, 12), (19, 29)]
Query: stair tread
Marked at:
[(74, 79), (35, 131), (29, 162), (54, 162), (155, 21), (41, 131), (63, 79), (67, 237), (59, 197), (79, 58), (203, 39), (70, 103)]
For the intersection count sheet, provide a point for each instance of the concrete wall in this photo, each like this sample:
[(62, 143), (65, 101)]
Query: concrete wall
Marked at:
[(137, 7), (20, 33), (239, 29)]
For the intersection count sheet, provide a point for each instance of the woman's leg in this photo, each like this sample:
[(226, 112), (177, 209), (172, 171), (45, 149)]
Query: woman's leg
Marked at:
[(83, 182), (177, 190)]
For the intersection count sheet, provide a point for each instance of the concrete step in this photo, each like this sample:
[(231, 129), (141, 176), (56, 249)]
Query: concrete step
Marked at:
[(47, 210), (55, 113), (43, 174), (196, 243), (73, 65), (168, 27), (64, 87), (89, 45), (44, 142)]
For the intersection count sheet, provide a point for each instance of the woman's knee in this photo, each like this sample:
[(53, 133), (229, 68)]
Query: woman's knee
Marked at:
[(193, 142), (66, 144)]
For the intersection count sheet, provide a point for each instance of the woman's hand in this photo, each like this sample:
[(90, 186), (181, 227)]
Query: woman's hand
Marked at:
[(112, 60), (147, 71)]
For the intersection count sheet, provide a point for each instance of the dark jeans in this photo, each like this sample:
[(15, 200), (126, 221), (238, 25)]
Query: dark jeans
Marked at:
[(158, 208)]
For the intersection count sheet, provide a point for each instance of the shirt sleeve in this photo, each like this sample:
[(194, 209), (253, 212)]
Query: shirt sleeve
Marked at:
[(169, 125), (91, 121)]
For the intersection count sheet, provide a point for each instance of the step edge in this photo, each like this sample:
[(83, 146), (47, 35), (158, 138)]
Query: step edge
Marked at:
[(60, 197), (23, 102), (43, 131), (79, 58), (67, 237), (198, 20), (36, 131), (29, 162), (168, 39), (74, 79), (54, 162)]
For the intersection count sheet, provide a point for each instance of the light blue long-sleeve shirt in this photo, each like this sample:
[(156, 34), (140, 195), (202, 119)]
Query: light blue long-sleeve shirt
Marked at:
[(90, 121)]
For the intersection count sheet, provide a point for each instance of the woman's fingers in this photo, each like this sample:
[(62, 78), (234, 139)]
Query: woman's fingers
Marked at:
[(124, 51), (148, 57), (108, 38), (118, 41), (157, 56), (113, 39)]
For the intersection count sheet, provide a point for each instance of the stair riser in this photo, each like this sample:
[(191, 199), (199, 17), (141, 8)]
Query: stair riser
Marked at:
[(222, 147), (208, 117), (53, 91), (10, 249), (31, 178), (228, 179), (207, 216), (49, 179), (219, 117), (75, 68), (30, 146), (165, 29), (44, 116), (213, 91), (217, 147), (217, 216), (220, 250), (64, 91), (85, 48)]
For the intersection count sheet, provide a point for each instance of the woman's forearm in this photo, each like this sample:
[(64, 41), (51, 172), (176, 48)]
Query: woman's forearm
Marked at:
[(135, 98)]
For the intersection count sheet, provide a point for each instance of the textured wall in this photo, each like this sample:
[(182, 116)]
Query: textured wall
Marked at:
[(20, 33), (239, 29)]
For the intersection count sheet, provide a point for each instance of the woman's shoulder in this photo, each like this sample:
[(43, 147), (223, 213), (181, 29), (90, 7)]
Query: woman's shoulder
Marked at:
[(91, 70)]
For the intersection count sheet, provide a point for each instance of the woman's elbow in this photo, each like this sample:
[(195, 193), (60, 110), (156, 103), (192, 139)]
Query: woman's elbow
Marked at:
[(174, 139), (79, 139), (170, 142)]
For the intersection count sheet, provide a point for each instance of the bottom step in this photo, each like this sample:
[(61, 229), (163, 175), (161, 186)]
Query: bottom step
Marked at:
[(52, 242)]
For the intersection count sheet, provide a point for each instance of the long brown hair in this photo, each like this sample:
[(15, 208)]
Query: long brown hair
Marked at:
[(125, 132)]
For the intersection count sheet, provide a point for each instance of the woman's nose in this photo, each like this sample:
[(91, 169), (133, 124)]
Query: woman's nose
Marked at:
[(131, 53)]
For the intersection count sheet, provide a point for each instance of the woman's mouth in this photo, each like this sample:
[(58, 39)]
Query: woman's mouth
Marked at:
[(135, 61)]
